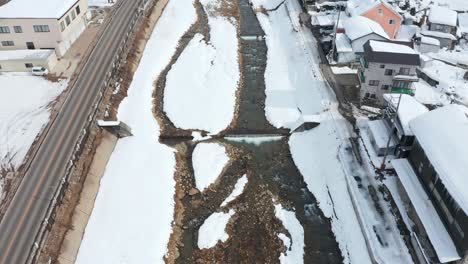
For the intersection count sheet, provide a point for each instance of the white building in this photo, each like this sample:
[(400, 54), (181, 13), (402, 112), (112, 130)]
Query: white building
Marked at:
[(42, 24), (360, 29), (24, 60)]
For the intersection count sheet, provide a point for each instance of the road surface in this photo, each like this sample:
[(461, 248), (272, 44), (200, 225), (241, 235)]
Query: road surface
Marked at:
[(28, 208)]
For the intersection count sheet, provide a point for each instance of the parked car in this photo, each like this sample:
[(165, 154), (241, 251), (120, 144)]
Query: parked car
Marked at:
[(39, 71)]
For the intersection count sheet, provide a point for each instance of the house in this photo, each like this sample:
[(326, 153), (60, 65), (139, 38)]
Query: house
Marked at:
[(438, 162), (463, 25), (408, 109), (428, 44), (359, 30), (45, 24), (442, 25), (344, 53), (378, 11), (386, 67), (25, 60)]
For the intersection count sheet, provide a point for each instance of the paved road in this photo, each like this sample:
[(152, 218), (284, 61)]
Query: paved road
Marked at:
[(28, 208)]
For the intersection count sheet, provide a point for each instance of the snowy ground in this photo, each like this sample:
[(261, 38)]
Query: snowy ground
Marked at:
[(295, 245), (238, 189), (208, 161), (24, 111), (293, 73), (213, 229), (131, 220), (204, 98)]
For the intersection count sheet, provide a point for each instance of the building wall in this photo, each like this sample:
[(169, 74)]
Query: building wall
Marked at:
[(454, 218), (425, 48), (19, 65), (383, 17), (373, 71), (46, 40), (442, 28)]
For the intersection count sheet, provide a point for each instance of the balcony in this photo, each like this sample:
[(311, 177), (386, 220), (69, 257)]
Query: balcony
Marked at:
[(402, 90), (406, 78)]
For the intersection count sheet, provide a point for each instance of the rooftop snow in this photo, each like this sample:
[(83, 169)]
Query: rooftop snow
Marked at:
[(408, 110), (357, 27), (380, 132), (438, 34), (36, 9), (443, 15), (430, 41), (435, 229), (442, 133), (380, 46), (456, 5), (407, 32), (25, 54), (342, 43)]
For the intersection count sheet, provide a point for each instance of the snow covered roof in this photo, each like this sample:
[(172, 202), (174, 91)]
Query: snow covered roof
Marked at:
[(358, 27), (456, 5), (435, 229), (430, 41), (442, 133), (443, 15), (390, 52), (36, 8), (463, 22), (408, 110), (24, 54), (381, 46), (325, 20), (360, 7), (407, 32), (381, 132), (342, 43), (438, 34)]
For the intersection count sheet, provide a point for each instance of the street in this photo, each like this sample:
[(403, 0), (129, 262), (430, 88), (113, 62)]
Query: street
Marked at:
[(27, 210)]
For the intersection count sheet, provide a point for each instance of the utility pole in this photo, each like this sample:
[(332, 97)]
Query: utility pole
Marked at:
[(334, 35), (393, 129)]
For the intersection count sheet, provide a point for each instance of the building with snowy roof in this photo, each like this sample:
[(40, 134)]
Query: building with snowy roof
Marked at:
[(386, 67), (45, 24), (442, 23), (439, 158), (378, 11), (359, 30), (25, 60)]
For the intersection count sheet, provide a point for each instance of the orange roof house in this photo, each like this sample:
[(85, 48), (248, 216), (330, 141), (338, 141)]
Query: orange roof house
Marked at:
[(378, 11)]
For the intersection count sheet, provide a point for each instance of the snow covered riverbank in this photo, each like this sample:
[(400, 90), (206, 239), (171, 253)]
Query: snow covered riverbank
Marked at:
[(131, 220)]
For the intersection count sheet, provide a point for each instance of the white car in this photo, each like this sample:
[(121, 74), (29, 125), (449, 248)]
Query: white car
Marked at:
[(39, 71)]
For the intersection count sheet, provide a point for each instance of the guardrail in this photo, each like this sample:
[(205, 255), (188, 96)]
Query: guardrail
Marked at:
[(59, 193)]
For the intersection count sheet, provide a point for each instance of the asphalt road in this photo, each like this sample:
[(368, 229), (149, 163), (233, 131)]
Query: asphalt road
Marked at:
[(28, 208)]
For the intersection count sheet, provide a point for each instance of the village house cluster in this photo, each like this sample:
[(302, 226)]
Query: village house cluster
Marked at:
[(38, 33), (410, 62)]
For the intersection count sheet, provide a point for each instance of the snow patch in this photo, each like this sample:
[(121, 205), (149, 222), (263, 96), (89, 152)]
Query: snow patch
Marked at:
[(213, 229), (209, 160), (238, 189), (295, 252)]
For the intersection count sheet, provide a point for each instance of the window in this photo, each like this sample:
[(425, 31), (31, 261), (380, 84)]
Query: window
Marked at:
[(73, 15), (385, 87), (7, 43), (380, 11), (404, 71), (367, 95), (374, 82), (382, 66), (18, 29), (391, 21), (389, 72), (372, 96), (401, 84), (78, 11), (41, 28), (62, 26), (67, 19), (4, 29), (28, 65)]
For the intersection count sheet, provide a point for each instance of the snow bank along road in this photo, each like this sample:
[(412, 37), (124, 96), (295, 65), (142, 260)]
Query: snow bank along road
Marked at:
[(27, 210)]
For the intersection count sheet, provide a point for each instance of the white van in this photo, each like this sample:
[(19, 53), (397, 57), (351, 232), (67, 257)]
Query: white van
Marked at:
[(39, 71)]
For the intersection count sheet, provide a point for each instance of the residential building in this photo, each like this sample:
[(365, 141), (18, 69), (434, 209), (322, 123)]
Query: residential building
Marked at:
[(427, 44), (25, 60), (378, 11), (358, 31), (386, 67), (442, 25), (439, 159), (45, 24)]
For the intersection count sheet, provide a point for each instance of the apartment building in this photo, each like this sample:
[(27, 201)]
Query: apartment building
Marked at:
[(45, 24), (386, 67)]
